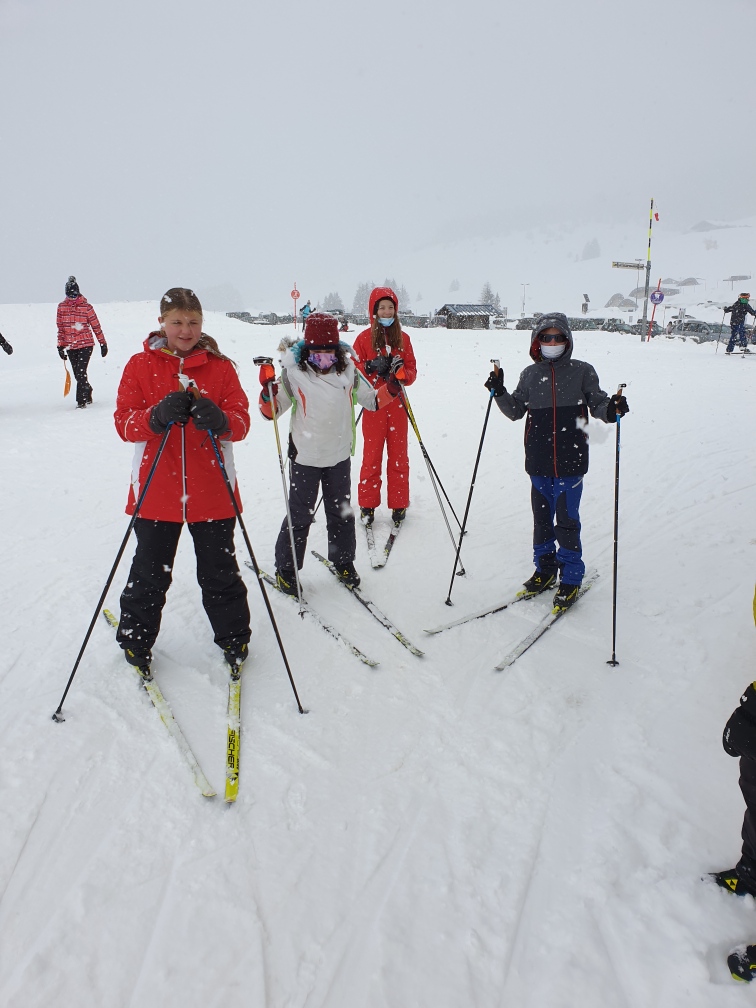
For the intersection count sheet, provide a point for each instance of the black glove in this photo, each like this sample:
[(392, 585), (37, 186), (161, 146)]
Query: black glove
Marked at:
[(379, 365), (208, 416), (104, 349), (62, 353), (739, 736), (495, 382), (617, 407), (6, 345), (175, 408)]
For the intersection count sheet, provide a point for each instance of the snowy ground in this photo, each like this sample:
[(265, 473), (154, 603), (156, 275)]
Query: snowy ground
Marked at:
[(431, 834)]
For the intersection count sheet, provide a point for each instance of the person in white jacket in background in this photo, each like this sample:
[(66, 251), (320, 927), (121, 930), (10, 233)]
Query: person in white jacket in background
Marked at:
[(321, 384)]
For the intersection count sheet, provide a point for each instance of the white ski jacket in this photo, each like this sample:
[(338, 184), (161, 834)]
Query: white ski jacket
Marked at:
[(322, 423)]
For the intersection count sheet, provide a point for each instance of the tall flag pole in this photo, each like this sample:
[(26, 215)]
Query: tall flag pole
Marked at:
[(644, 325)]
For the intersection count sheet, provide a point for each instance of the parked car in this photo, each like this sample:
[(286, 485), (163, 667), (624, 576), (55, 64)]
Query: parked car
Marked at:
[(617, 325), (642, 328), (526, 323)]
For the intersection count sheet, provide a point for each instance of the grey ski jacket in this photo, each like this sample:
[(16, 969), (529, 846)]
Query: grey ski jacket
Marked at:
[(556, 395)]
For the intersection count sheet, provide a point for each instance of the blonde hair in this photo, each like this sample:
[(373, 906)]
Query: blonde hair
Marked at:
[(183, 299)]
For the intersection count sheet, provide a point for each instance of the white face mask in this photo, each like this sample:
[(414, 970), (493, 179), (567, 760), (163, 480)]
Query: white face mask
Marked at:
[(551, 351)]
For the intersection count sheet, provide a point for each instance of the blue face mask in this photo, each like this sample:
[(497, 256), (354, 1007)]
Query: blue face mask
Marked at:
[(386, 321)]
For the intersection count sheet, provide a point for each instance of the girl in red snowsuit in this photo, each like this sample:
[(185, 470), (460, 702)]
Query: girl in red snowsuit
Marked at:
[(376, 349)]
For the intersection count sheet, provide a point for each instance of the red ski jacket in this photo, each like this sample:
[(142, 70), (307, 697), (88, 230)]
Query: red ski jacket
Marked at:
[(76, 323), (187, 485), (364, 351)]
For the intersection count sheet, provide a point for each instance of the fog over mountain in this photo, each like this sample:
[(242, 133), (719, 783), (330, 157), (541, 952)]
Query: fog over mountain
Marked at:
[(248, 146)]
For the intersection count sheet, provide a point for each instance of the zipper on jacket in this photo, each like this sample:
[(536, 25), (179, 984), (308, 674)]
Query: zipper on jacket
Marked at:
[(554, 408), (183, 457)]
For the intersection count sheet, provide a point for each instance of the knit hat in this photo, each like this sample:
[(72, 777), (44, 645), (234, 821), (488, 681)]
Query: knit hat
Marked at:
[(321, 331), (72, 288)]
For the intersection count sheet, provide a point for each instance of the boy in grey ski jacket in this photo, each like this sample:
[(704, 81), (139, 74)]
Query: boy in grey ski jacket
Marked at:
[(557, 393)]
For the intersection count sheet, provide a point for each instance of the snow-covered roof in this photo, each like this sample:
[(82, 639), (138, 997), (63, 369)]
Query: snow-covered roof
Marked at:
[(467, 310)]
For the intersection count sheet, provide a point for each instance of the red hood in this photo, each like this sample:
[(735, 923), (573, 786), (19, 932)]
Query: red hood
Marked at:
[(375, 296)]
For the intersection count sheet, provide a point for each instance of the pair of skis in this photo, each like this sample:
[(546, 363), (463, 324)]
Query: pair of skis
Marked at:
[(378, 560), (546, 622), (371, 607), (233, 729)]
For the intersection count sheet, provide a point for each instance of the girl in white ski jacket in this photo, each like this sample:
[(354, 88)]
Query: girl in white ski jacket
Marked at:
[(320, 383)]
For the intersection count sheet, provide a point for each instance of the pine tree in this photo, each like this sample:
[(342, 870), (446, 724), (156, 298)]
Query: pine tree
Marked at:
[(487, 296), (401, 293), (332, 302), (454, 286), (361, 298)]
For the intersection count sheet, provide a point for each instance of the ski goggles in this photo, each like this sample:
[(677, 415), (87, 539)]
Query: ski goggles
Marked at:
[(323, 359), (552, 338)]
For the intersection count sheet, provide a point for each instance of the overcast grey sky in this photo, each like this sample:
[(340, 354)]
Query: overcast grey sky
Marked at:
[(162, 142)]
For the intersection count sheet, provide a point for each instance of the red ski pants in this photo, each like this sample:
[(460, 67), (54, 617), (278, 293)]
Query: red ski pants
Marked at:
[(385, 426)]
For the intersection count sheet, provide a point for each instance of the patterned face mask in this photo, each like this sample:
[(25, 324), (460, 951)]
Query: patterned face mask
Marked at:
[(322, 360)]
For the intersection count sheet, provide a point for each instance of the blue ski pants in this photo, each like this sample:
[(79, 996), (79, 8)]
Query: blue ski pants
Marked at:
[(737, 332), (556, 519)]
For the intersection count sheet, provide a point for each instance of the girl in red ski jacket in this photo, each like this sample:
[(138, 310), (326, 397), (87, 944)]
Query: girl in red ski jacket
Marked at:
[(77, 321), (382, 350), (187, 485)]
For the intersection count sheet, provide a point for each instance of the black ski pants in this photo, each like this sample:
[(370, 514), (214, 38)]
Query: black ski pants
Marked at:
[(224, 594), (79, 364), (747, 864), (304, 482)]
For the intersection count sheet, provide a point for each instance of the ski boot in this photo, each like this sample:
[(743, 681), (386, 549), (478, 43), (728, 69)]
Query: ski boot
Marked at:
[(348, 575), (398, 515), (734, 882), (141, 662), (742, 963), (367, 515), (565, 596), (286, 580), (539, 582), (746, 350), (236, 655)]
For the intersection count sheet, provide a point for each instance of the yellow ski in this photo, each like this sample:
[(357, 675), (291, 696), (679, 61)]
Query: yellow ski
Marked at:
[(233, 742)]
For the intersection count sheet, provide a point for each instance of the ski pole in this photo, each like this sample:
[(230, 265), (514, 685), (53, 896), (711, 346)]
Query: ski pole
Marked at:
[(613, 659), (431, 472), (426, 456), (256, 569), (267, 362), (57, 716), (719, 334), (497, 365)]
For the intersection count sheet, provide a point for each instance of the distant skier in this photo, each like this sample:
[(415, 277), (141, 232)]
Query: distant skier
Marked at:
[(187, 487), (5, 345), (739, 310), (305, 311), (77, 322), (739, 739), (557, 393)]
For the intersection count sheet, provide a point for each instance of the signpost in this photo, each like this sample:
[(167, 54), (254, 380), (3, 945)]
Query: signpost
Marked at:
[(648, 271), (656, 298), (295, 296)]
